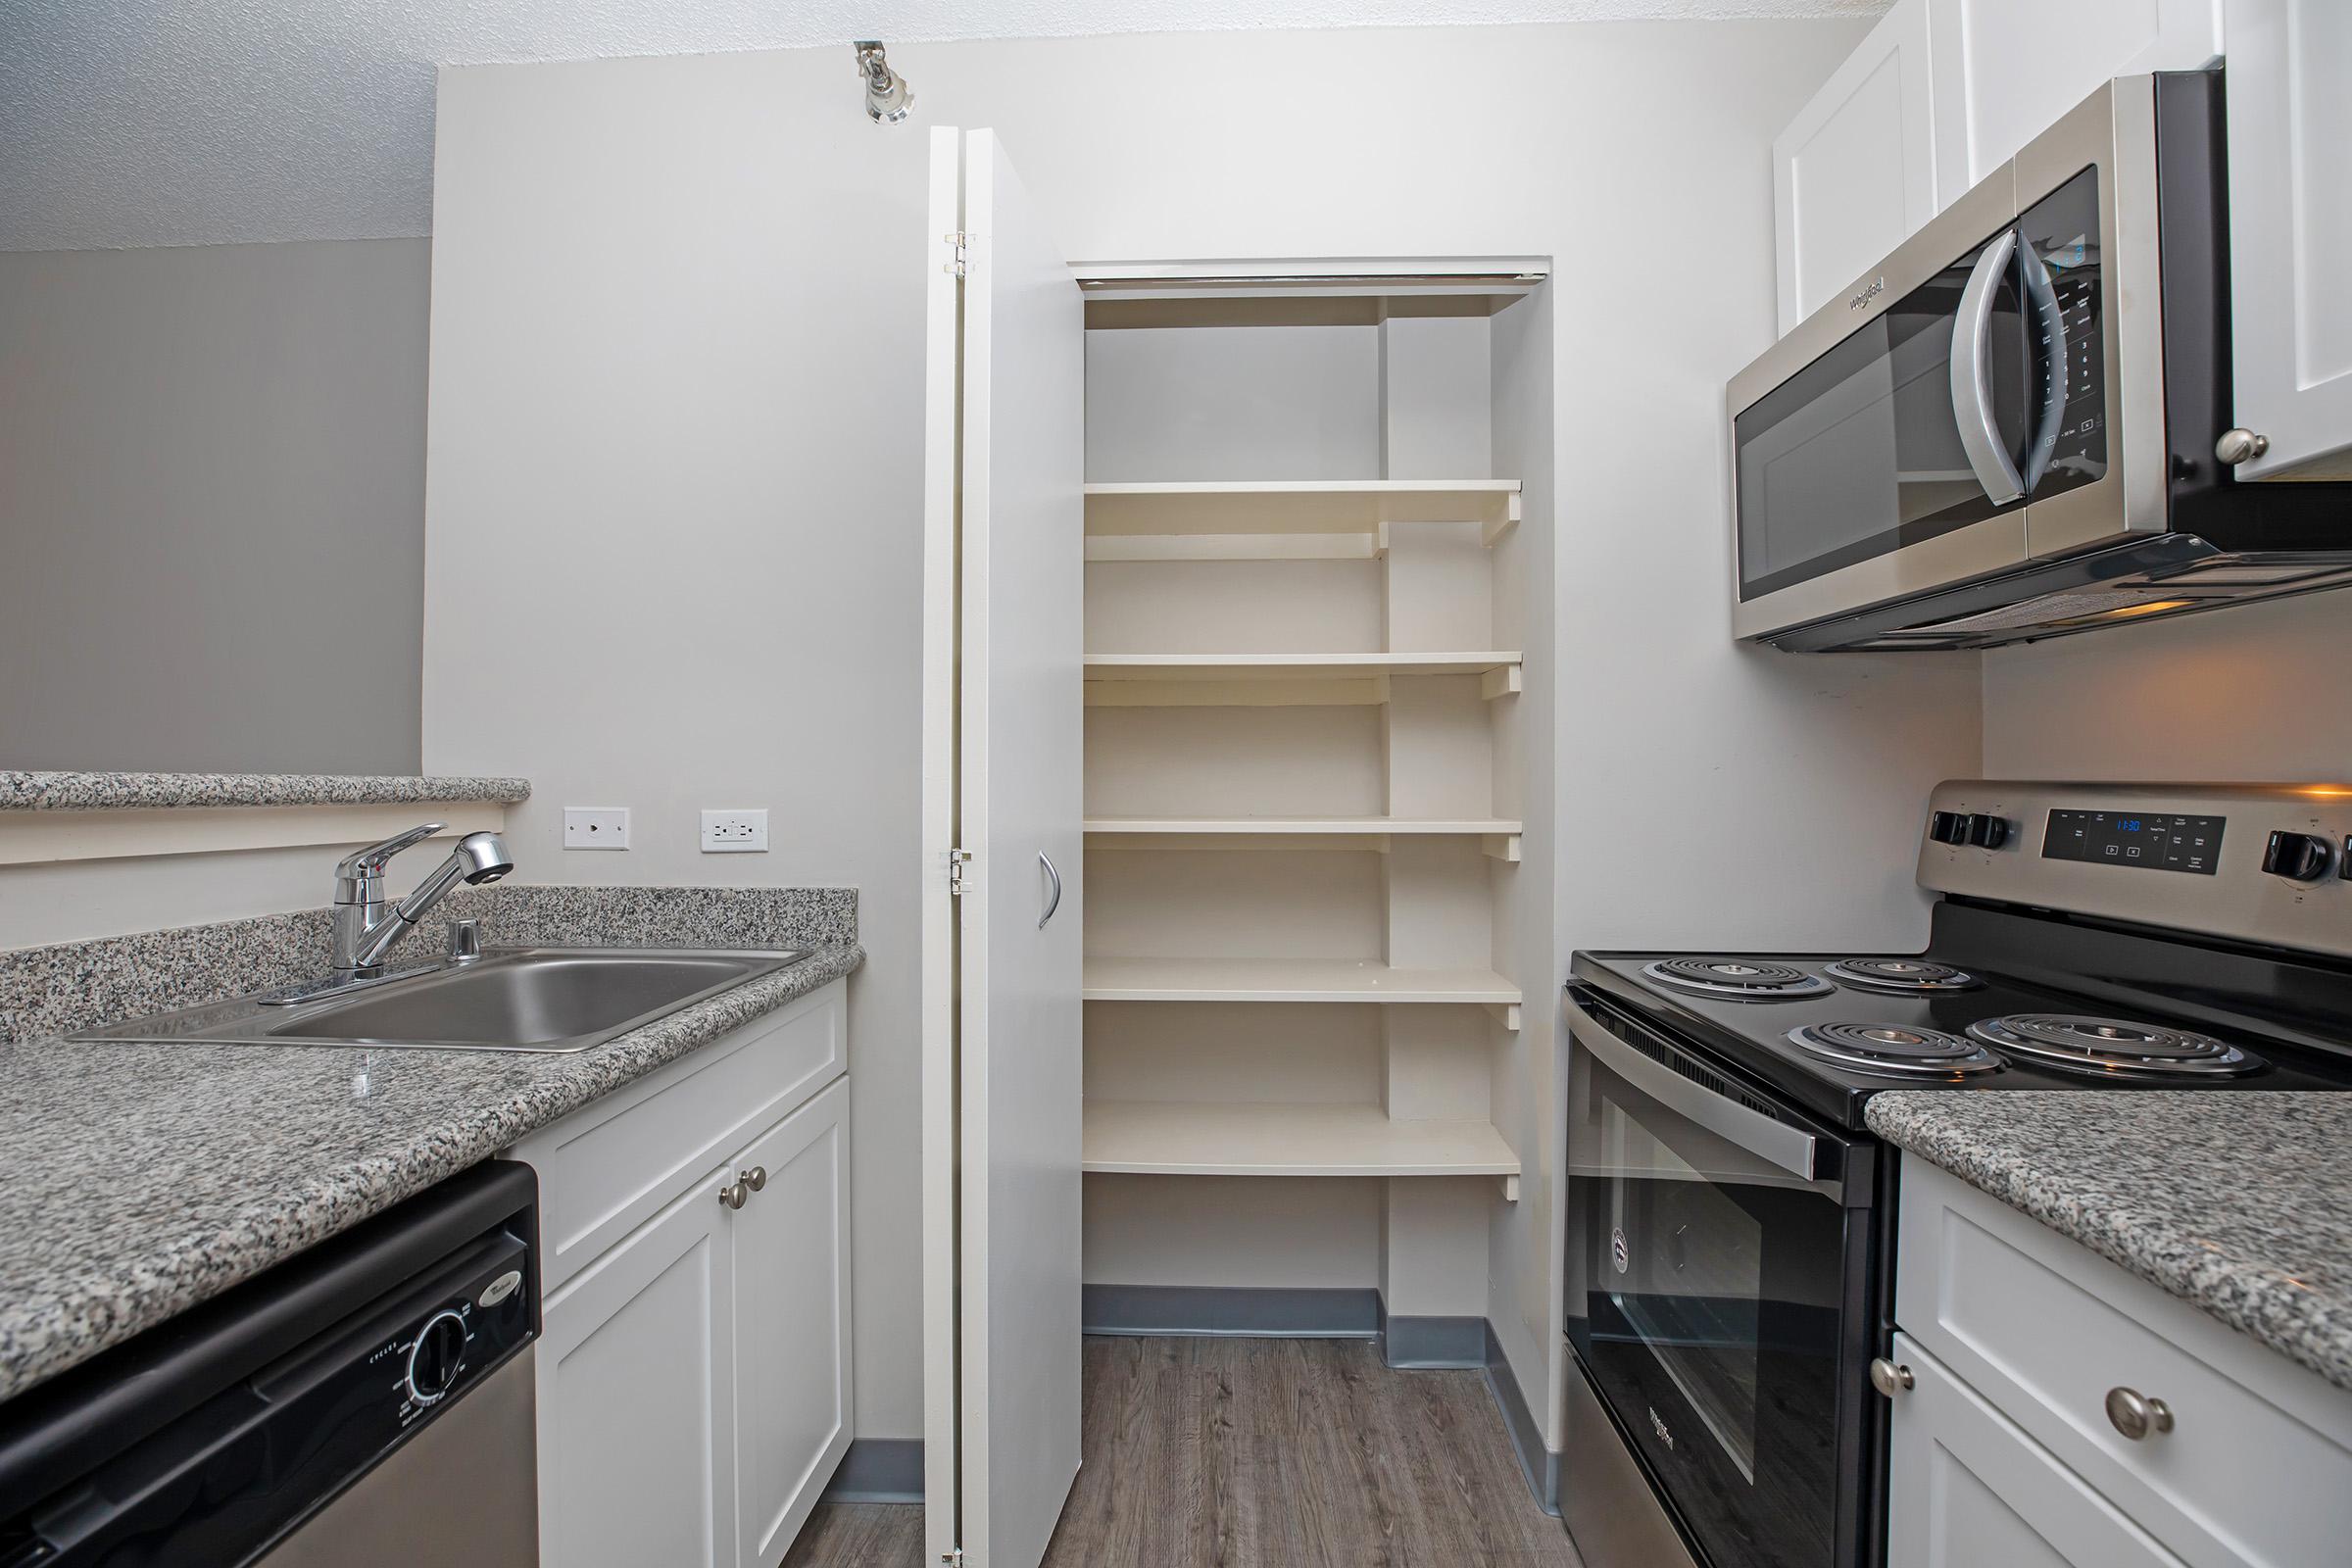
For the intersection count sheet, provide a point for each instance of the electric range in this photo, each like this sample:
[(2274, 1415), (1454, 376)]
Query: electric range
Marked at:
[(1729, 1227)]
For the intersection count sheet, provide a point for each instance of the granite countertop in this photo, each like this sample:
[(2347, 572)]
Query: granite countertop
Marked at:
[(2238, 1203), (143, 1179), (100, 792)]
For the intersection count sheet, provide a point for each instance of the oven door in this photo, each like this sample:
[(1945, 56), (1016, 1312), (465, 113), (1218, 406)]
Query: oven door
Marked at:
[(1719, 1297)]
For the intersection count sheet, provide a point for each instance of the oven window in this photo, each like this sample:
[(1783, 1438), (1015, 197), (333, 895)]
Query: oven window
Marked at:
[(1859, 454), (1686, 1272)]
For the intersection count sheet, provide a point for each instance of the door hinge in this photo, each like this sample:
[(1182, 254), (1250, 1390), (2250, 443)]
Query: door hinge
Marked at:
[(953, 1558), (960, 243), (959, 877)]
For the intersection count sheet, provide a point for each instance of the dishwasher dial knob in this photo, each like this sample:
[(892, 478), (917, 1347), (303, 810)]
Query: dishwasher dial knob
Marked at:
[(2299, 857), (1987, 832), (436, 1358)]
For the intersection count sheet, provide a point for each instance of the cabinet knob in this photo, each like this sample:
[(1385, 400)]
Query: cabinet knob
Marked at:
[(1888, 1377), (755, 1178), (734, 1194), (2136, 1416), (2237, 444)]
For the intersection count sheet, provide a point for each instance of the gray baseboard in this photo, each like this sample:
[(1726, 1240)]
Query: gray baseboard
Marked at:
[(1202, 1309), (1424, 1342), (1539, 1464), (879, 1470)]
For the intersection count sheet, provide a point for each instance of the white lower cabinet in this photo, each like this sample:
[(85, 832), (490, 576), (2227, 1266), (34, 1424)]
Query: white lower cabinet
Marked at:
[(1967, 1489), (693, 1375), (792, 1324), (2061, 1410), (637, 1400)]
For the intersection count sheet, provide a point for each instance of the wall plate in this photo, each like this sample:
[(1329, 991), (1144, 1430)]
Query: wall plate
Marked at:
[(739, 830), (596, 827)]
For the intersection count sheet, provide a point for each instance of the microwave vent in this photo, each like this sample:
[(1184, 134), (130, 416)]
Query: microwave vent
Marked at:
[(2049, 608)]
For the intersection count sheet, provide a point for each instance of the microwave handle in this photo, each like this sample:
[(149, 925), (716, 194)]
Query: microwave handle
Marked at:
[(1790, 1148), (1972, 374)]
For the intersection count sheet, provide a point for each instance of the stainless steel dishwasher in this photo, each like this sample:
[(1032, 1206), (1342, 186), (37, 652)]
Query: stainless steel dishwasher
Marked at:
[(367, 1403)]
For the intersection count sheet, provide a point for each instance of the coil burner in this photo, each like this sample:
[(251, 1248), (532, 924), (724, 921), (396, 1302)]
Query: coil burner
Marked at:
[(1900, 976), (1736, 979), (1890, 1051), (2108, 1048)]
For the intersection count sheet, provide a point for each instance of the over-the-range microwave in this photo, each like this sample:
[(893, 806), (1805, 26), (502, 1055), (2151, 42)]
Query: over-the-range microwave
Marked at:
[(2008, 429)]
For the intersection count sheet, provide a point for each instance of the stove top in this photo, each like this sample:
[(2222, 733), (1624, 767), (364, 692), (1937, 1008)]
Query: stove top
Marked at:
[(2064, 1010), (2178, 937)]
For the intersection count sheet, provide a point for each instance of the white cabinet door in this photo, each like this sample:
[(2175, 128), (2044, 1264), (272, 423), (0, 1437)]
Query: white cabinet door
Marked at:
[(636, 1400), (1003, 1091), (2007, 70), (1968, 1489), (792, 1322), (1854, 174), (2291, 232)]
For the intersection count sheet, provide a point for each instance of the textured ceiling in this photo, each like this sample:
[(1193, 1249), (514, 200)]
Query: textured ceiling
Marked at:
[(202, 121)]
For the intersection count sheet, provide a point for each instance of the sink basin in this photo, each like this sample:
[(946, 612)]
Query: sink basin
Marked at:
[(522, 999)]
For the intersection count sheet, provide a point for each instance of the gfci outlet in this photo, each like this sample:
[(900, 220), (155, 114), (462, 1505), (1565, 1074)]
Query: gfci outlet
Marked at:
[(596, 827), (735, 832)]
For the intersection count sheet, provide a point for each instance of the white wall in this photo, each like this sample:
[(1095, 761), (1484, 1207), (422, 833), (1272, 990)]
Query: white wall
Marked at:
[(677, 307), (672, 555), (211, 503), (2254, 693)]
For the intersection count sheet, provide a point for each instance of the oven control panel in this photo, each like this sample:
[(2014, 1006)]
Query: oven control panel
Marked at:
[(2256, 863), (2136, 841)]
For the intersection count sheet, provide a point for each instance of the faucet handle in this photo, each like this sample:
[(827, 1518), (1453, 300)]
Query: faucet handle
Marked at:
[(376, 857)]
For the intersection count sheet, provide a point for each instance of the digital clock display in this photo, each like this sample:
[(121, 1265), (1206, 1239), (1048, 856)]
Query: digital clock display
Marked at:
[(2143, 840)]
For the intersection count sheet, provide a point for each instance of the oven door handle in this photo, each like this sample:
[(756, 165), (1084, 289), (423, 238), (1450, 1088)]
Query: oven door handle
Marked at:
[(1790, 1148), (1972, 374)]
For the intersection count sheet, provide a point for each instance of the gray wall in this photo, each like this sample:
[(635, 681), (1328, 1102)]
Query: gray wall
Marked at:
[(212, 506)]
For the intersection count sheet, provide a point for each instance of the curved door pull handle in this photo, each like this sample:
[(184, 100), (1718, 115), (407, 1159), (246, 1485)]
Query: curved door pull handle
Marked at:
[(1972, 374), (1053, 899)]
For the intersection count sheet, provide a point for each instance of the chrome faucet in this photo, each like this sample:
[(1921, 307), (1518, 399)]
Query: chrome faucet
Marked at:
[(364, 929), (365, 926)]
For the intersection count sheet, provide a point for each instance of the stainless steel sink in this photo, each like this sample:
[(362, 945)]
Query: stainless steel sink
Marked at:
[(517, 998)]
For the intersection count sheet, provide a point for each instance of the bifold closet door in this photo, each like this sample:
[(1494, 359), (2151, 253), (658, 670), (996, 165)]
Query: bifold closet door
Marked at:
[(1005, 528)]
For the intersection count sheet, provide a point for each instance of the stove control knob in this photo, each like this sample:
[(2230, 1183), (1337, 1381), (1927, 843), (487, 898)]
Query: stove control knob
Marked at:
[(1987, 832), (2299, 857), (1948, 827)]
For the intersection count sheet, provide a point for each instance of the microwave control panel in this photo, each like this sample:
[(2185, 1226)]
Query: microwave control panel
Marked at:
[(2060, 235)]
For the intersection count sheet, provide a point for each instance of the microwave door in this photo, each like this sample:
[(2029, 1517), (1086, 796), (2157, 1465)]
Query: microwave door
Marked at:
[(1860, 476)]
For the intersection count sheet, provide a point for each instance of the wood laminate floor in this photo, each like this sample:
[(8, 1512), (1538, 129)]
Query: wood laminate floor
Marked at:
[(1262, 1453)]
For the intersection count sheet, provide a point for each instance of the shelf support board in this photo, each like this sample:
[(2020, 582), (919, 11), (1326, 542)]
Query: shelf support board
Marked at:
[(1507, 681), (1500, 847)]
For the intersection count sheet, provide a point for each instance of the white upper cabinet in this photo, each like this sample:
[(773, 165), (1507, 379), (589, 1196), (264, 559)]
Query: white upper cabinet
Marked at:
[(2006, 70), (2291, 232), (1940, 93), (1855, 171)]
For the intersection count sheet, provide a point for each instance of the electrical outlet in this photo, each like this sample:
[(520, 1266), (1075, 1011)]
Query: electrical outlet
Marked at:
[(596, 827), (735, 832)]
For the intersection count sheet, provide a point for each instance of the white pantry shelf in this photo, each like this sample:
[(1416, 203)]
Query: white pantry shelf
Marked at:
[(1296, 506), (1282, 666), (1182, 1137), (1296, 826), (1289, 980)]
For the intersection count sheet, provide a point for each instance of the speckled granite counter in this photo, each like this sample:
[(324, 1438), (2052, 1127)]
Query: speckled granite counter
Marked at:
[(2240, 1204), (140, 1179), (100, 792)]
